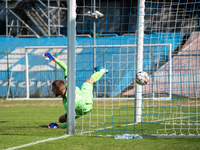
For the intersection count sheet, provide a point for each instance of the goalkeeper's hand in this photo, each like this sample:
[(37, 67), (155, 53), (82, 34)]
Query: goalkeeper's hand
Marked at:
[(53, 125), (49, 56)]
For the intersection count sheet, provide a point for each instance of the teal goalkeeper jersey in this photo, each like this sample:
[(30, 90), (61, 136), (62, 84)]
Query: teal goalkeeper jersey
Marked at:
[(83, 96)]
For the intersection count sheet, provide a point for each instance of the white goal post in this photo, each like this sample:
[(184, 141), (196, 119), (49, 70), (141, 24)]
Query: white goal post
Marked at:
[(28, 48), (43, 49)]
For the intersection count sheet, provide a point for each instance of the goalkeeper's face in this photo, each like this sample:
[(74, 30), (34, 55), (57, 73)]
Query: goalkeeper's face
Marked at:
[(56, 91)]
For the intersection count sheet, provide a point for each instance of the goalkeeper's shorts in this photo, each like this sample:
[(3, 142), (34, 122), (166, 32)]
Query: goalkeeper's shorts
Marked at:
[(84, 105), (79, 114), (87, 88)]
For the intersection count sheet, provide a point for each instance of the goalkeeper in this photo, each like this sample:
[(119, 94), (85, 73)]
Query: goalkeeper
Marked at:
[(84, 96)]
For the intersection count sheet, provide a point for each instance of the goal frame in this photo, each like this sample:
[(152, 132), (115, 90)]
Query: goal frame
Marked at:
[(97, 46), (137, 108)]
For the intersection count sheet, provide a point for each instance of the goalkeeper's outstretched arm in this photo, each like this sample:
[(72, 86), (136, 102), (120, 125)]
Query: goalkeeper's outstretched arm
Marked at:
[(49, 56), (62, 65)]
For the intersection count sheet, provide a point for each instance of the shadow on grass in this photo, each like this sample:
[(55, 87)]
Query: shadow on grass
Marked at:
[(44, 126), (3, 121), (14, 134)]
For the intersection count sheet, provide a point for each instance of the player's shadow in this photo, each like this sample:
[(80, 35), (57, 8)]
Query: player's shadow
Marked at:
[(3, 121), (44, 126), (15, 134)]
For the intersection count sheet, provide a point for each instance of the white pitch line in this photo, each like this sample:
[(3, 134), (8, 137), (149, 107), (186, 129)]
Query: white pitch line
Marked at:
[(37, 142), (107, 128), (64, 136)]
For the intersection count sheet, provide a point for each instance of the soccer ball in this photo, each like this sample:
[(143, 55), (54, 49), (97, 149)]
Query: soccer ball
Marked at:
[(141, 78)]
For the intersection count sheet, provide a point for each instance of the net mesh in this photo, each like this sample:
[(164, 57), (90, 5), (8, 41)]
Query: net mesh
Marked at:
[(170, 101)]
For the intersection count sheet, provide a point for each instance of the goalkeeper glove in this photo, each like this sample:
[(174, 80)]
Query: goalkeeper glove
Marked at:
[(49, 56), (53, 125)]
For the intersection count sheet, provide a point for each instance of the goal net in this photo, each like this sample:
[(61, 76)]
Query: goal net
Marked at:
[(171, 41)]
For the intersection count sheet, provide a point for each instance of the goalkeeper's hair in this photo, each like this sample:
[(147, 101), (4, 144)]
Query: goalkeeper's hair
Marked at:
[(59, 84)]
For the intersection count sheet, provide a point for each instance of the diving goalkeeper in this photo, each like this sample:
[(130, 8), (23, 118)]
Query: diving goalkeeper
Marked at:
[(84, 96)]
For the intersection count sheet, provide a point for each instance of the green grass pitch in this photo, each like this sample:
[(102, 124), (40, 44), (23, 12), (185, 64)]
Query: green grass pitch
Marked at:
[(24, 122)]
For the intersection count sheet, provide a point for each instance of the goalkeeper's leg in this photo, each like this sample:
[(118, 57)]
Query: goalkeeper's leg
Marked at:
[(63, 119), (100, 71)]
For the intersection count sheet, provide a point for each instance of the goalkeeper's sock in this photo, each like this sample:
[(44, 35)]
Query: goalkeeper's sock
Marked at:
[(97, 75), (63, 126)]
